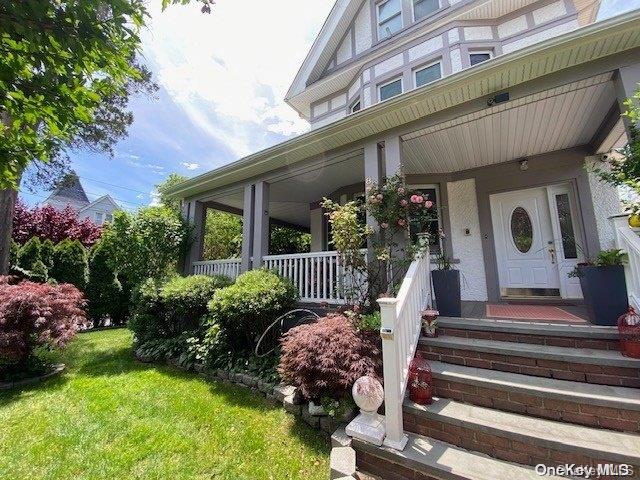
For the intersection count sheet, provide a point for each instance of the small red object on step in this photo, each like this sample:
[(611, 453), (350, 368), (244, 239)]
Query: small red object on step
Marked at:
[(420, 382), (629, 329)]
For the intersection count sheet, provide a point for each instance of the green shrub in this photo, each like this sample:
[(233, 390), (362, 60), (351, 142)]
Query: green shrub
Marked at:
[(105, 294), (29, 253), (70, 263), (46, 253), (244, 309), (39, 272), (169, 309), (13, 254)]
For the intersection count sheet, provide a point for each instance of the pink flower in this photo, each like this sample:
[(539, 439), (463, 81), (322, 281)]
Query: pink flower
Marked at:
[(379, 196), (401, 190), (420, 199), (384, 225), (404, 203), (414, 199), (428, 204), (402, 222), (373, 199)]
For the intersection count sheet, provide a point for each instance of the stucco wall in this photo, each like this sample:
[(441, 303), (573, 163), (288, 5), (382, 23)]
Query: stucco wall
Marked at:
[(606, 203), (463, 214)]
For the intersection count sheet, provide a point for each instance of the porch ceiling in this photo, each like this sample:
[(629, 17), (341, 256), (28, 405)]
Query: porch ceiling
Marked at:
[(555, 119), (291, 194)]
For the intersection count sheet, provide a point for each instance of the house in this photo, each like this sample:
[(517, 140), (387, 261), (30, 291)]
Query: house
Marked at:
[(69, 192), (497, 109)]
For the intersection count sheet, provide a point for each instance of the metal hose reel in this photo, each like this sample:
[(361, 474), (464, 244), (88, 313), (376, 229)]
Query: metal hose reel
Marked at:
[(280, 326)]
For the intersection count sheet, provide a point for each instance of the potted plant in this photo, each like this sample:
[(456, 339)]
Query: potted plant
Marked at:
[(604, 287), (446, 286)]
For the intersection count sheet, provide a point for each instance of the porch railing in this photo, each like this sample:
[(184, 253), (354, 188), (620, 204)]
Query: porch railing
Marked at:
[(229, 267), (400, 331), (318, 276), (629, 241)]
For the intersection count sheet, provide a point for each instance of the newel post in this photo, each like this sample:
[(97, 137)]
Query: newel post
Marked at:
[(392, 372)]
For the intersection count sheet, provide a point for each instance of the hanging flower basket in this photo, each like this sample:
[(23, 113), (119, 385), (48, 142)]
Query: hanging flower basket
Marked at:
[(629, 330), (430, 322)]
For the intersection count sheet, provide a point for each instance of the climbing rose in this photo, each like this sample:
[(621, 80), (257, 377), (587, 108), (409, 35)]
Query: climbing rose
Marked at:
[(384, 225), (428, 204), (402, 222), (404, 203), (401, 190)]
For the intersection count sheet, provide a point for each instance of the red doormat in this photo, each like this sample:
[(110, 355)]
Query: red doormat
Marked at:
[(532, 312)]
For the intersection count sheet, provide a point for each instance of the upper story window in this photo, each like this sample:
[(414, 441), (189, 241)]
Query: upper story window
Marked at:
[(479, 57), (428, 74), (99, 218), (389, 90), (389, 18), (424, 8), (355, 107)]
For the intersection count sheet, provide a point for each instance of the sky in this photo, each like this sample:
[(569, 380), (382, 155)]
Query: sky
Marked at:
[(222, 78)]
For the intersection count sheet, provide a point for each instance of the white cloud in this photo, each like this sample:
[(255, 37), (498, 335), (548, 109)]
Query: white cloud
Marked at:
[(191, 166), (229, 71)]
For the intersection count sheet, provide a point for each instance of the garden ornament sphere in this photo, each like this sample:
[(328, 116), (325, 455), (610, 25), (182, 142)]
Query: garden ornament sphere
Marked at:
[(368, 394)]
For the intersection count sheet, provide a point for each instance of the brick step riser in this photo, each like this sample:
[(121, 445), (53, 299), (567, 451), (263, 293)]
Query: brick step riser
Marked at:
[(381, 467), (594, 416), (496, 446), (539, 367), (551, 341)]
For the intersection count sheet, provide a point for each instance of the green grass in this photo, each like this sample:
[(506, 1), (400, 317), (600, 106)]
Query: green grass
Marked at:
[(110, 417)]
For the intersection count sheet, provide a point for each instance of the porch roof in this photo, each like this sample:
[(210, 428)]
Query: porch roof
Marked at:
[(577, 48)]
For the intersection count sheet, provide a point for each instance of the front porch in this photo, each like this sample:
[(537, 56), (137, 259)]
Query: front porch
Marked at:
[(528, 155)]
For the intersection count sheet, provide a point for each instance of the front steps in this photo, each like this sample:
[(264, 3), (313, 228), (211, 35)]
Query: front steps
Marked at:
[(615, 408), (516, 395), (604, 367)]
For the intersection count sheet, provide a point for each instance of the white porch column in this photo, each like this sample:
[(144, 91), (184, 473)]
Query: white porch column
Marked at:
[(195, 214), (261, 223), (626, 83), (392, 155), (372, 171), (248, 218), (316, 227)]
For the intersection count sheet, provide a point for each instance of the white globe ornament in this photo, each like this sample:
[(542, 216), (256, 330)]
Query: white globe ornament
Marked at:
[(369, 425), (368, 394)]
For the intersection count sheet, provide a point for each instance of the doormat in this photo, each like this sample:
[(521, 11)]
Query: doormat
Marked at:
[(546, 313)]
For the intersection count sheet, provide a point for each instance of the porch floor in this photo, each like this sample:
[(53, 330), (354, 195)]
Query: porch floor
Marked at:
[(479, 310)]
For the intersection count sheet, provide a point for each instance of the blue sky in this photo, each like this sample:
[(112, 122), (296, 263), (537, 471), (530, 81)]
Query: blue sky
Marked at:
[(222, 78)]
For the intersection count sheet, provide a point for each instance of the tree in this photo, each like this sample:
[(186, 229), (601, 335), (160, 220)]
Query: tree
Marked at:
[(146, 243), (70, 263), (47, 222), (60, 61), (105, 295), (624, 171), (162, 188)]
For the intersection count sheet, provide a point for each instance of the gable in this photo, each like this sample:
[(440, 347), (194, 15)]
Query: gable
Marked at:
[(104, 204)]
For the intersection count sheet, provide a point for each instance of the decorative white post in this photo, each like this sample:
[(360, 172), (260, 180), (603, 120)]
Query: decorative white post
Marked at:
[(392, 371), (369, 424)]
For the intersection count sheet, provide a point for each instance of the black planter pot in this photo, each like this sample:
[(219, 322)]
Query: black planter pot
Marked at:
[(605, 293), (446, 285)]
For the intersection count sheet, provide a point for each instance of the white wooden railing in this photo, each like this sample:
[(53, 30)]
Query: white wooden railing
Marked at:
[(229, 267), (629, 241), (400, 331), (318, 276)]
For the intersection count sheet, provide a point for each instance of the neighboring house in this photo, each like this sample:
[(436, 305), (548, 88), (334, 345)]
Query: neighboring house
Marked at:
[(69, 192), (495, 108)]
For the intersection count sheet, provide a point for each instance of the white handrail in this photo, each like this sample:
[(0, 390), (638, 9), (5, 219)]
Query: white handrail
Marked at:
[(629, 241), (400, 331), (229, 267)]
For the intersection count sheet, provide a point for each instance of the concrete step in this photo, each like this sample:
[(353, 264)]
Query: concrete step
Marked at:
[(518, 438), (552, 334), (427, 458), (603, 406), (604, 367)]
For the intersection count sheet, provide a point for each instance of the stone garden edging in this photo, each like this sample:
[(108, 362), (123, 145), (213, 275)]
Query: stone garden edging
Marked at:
[(56, 369)]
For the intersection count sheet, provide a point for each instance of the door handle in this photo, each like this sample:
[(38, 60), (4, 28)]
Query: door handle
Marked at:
[(552, 252)]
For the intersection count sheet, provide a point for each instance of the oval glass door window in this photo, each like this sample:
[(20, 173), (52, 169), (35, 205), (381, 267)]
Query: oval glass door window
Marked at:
[(521, 229)]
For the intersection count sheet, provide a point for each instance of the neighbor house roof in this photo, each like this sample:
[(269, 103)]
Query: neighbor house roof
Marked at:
[(579, 47), (69, 188), (98, 200)]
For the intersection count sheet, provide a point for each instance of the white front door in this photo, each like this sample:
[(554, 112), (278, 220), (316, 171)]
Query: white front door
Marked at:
[(524, 241)]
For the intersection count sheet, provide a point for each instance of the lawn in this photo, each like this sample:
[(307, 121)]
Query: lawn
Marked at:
[(110, 417)]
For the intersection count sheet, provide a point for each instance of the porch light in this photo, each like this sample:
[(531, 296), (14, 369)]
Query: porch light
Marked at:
[(524, 165)]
